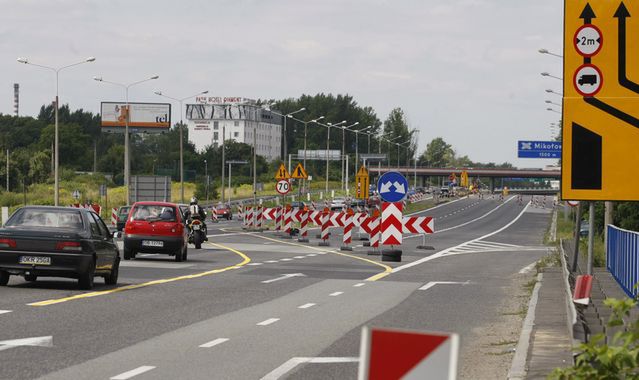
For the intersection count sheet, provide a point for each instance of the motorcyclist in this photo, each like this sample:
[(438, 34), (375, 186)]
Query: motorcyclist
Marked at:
[(197, 212)]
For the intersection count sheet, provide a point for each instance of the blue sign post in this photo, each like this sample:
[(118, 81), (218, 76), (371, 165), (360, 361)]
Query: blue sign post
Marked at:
[(539, 149), (392, 186)]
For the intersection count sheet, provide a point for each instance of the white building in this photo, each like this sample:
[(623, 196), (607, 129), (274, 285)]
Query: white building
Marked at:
[(238, 118)]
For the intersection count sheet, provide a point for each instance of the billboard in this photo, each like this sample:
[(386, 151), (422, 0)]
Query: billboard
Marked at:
[(143, 117)]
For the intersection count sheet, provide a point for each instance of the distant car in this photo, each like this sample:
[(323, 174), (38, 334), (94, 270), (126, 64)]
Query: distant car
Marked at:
[(584, 230), (156, 227), (297, 204), (444, 191), (223, 211), (358, 203), (338, 203), (46, 241), (373, 201), (123, 213)]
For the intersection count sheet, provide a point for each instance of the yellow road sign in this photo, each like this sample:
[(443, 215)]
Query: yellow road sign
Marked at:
[(601, 101), (362, 183), (299, 172), (463, 182), (282, 173)]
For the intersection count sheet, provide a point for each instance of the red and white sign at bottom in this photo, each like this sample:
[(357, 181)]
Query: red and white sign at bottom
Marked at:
[(407, 355)]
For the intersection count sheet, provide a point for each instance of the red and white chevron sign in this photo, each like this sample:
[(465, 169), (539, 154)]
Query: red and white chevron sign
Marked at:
[(269, 213), (419, 224), (316, 217), (337, 219), (392, 224)]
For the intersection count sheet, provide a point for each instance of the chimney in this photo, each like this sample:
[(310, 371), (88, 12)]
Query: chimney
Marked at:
[(16, 98)]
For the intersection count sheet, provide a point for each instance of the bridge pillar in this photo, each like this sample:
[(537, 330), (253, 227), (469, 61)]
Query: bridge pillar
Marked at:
[(492, 184)]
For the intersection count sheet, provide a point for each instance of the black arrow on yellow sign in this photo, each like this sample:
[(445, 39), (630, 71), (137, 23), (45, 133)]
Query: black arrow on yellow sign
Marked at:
[(621, 14)]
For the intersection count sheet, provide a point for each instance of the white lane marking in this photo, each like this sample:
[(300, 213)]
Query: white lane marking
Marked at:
[(255, 264), (360, 284), (284, 277), (336, 294), (527, 268), (444, 252), (433, 283), (465, 223), (268, 322), (312, 255), (438, 206), (306, 305), (133, 372), (299, 257), (282, 370), (214, 343), (271, 261), (5, 311), (286, 260), (39, 341)]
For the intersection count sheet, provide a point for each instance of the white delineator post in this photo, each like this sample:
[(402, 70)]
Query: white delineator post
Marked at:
[(114, 216), (303, 238), (348, 221), (326, 223)]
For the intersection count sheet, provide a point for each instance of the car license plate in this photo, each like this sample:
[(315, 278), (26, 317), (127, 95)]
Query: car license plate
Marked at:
[(196, 227), (152, 243), (35, 260)]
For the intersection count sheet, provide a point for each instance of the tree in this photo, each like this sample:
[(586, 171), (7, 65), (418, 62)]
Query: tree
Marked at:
[(396, 129), (438, 154)]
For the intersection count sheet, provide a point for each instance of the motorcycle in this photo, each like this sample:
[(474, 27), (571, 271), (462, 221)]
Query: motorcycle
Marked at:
[(196, 233)]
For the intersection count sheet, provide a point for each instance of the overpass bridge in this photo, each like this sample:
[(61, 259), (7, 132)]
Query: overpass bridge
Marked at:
[(492, 173)]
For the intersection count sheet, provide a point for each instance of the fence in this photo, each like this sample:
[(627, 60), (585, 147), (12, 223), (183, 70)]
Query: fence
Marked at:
[(622, 258)]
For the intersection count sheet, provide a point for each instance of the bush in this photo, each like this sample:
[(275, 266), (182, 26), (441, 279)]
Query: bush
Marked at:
[(617, 360)]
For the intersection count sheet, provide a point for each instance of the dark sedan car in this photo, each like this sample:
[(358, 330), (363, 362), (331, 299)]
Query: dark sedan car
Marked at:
[(123, 213), (45, 241)]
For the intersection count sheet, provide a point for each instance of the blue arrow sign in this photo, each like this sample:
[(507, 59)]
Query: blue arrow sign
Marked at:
[(539, 149), (392, 187)]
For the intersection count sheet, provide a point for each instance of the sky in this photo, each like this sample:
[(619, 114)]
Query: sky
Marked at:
[(464, 70)]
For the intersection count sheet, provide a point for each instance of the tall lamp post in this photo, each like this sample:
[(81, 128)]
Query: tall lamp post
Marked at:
[(56, 70), (127, 166), (344, 176), (181, 100), (206, 178), (328, 144), (285, 116), (231, 162)]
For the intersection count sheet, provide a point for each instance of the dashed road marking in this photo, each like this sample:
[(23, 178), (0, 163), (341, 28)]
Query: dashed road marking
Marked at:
[(306, 305), (336, 294), (268, 322), (282, 370), (299, 257), (254, 264), (214, 343), (5, 311), (134, 372), (286, 259), (360, 284), (270, 261)]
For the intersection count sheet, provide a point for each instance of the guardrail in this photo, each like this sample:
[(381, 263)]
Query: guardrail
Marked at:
[(622, 258)]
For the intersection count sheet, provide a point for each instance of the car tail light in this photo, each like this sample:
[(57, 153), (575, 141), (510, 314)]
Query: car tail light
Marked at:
[(195, 221), (68, 246), (7, 243)]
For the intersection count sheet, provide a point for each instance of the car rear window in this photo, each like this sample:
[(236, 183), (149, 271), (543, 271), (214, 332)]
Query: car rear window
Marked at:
[(153, 213), (124, 211), (67, 219)]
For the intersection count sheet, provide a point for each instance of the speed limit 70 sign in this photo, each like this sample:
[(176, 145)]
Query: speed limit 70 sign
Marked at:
[(283, 186)]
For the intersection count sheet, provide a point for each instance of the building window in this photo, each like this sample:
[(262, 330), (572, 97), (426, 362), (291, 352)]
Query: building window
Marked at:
[(216, 125), (236, 134), (215, 135), (236, 123)]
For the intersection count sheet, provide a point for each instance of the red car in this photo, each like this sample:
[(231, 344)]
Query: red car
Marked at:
[(155, 227), (223, 211)]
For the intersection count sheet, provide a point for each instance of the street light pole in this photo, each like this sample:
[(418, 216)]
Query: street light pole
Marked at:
[(305, 128), (206, 178), (56, 171), (126, 128), (181, 136), (344, 174)]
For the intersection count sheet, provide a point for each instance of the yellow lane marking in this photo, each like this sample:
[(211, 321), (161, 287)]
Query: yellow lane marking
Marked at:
[(386, 272), (150, 283)]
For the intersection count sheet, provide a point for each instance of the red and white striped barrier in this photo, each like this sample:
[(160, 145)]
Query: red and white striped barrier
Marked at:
[(257, 216), (326, 223), (316, 217), (392, 225), (288, 220), (278, 218), (418, 225), (348, 220), (248, 216), (114, 216), (304, 227)]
